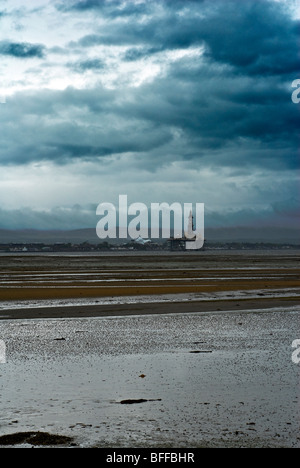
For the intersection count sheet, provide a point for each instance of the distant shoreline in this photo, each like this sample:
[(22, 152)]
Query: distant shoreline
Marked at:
[(133, 248)]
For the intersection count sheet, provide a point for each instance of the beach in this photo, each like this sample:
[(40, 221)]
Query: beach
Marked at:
[(151, 349), (109, 284)]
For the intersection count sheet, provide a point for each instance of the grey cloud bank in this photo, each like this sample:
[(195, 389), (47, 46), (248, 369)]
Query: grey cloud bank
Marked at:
[(166, 100)]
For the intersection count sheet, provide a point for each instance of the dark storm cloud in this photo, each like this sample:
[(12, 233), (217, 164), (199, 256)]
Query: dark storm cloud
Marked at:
[(230, 106), (114, 9), (237, 94), (225, 129), (34, 130), (254, 37), (216, 114), (22, 50)]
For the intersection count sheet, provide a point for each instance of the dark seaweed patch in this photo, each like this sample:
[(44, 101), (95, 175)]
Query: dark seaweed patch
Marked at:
[(34, 438)]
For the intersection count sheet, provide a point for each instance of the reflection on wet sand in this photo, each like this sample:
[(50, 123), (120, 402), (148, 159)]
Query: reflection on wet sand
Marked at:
[(221, 379)]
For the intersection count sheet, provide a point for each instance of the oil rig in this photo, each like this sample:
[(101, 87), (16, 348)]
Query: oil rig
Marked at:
[(179, 243)]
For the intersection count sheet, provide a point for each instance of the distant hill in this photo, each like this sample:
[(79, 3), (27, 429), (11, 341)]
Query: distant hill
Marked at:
[(239, 234), (48, 237)]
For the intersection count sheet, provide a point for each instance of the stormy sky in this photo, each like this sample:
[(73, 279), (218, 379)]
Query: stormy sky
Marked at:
[(162, 100)]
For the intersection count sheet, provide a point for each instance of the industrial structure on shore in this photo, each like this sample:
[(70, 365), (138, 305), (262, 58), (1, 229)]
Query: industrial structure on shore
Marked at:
[(179, 243)]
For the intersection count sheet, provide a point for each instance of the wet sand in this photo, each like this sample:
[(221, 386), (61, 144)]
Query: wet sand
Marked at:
[(151, 308), (265, 279), (201, 349), (216, 379)]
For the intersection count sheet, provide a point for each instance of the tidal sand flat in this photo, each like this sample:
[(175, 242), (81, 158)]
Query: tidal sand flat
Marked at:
[(186, 380), (206, 362), (105, 282)]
